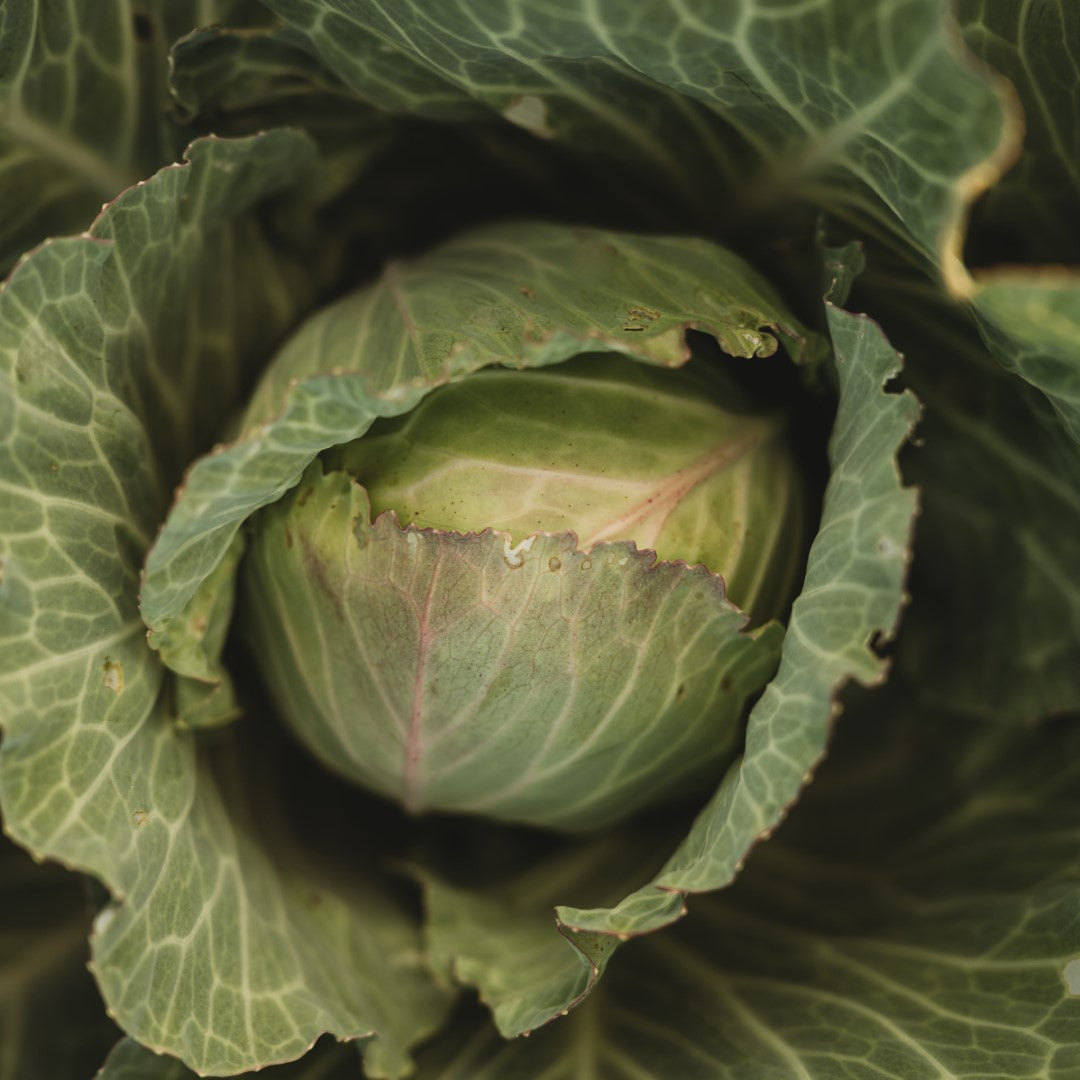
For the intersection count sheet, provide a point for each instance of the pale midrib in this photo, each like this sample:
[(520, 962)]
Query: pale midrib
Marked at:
[(660, 502), (398, 496), (72, 155)]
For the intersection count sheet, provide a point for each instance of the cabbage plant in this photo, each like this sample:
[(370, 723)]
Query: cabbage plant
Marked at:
[(539, 540)]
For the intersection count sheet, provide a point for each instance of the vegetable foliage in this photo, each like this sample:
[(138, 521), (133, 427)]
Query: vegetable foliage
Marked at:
[(318, 213)]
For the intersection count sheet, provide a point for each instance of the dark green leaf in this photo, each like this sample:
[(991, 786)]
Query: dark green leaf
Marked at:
[(994, 626), (52, 1021), (82, 96), (903, 931)]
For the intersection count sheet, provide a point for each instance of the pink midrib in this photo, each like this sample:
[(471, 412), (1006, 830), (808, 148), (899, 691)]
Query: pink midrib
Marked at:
[(414, 733), (662, 500)]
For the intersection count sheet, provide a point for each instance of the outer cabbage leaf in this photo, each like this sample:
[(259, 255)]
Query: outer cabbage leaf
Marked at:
[(473, 936), (1031, 322), (848, 607), (825, 97), (994, 629), (327, 1061), (120, 353), (130, 1061), (921, 919), (501, 939)]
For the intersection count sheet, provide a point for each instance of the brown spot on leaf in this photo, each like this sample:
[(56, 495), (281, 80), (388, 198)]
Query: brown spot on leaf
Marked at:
[(639, 317), (114, 675)]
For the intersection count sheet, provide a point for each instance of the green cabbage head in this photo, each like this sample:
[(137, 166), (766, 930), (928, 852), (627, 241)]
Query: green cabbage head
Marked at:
[(546, 620)]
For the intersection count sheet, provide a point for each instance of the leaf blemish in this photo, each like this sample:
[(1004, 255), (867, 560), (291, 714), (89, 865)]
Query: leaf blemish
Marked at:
[(1071, 974), (514, 556), (141, 817), (114, 675), (638, 317), (889, 548), (530, 112)]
